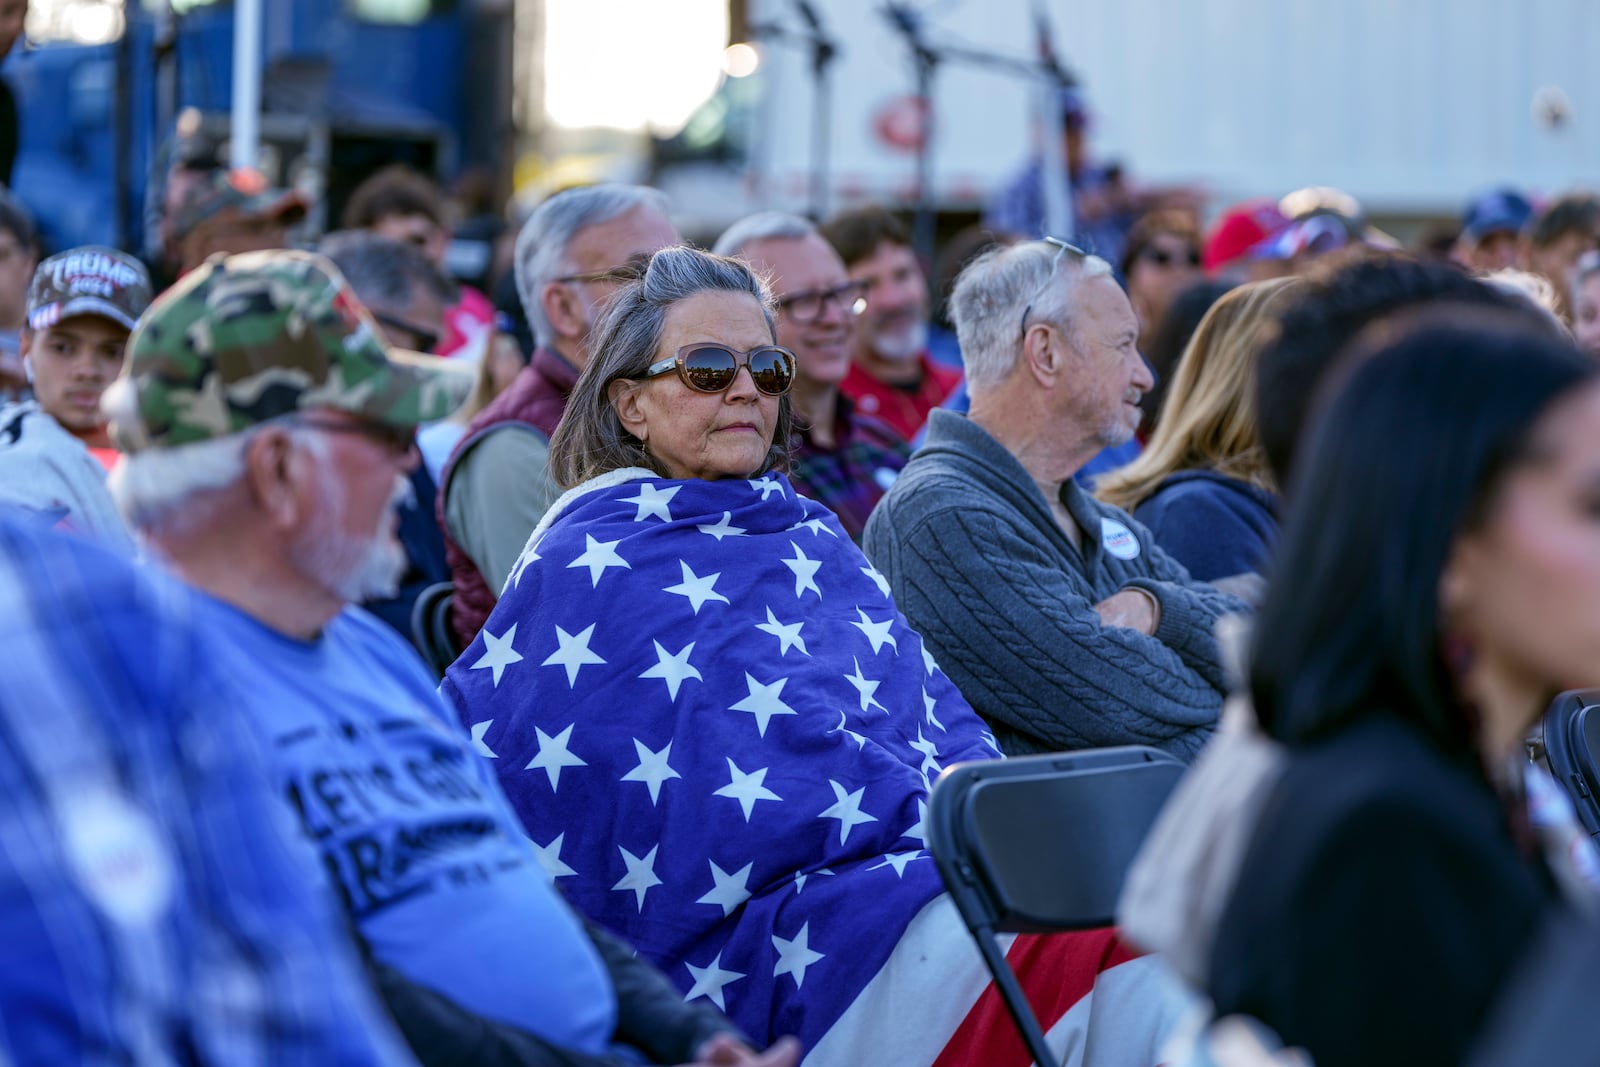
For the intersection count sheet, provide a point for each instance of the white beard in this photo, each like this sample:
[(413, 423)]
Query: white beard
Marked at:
[(355, 569), (903, 344)]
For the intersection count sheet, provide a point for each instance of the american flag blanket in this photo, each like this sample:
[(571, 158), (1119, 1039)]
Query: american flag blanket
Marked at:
[(720, 735)]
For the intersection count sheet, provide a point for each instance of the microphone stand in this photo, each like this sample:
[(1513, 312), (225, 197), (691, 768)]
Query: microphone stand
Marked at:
[(823, 52), (925, 60)]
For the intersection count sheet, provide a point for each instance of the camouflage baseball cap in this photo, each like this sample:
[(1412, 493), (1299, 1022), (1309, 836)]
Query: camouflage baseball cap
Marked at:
[(259, 335), (90, 280), (230, 195)]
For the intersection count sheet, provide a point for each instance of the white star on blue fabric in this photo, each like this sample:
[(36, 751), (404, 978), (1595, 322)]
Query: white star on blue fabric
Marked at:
[(877, 632), (498, 653), (479, 745), (696, 589), (877, 579), (597, 556), (819, 526), (709, 980), (788, 635), (847, 809), (795, 956), (801, 876), (927, 659), (764, 701), (573, 653), (529, 557), (927, 705), (549, 857), (652, 501), (930, 752), (722, 528), (652, 769), (844, 728), (865, 688), (897, 860), (673, 668), (918, 830), (553, 755), (641, 876), (765, 486), (728, 891), (805, 570), (746, 788)]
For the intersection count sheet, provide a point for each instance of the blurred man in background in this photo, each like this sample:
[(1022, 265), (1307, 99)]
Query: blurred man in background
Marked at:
[(230, 211), (892, 377), (841, 458), (18, 257), (572, 253), (1562, 233), (1491, 231)]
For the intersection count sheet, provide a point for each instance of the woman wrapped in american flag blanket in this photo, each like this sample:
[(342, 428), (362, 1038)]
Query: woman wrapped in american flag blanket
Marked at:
[(720, 733)]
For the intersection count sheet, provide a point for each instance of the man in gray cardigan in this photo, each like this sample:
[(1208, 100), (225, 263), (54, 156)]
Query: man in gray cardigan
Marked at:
[(1057, 616)]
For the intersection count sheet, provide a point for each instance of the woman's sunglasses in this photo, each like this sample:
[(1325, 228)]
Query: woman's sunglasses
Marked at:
[(708, 367)]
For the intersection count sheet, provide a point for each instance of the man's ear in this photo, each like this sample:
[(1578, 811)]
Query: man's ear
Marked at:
[(624, 397), (1043, 352), (275, 473), (564, 310)]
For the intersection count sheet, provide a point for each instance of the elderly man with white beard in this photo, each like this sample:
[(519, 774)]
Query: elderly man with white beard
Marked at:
[(267, 432)]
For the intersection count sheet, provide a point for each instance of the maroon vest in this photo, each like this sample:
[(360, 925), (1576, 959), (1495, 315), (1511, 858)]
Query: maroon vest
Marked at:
[(533, 402)]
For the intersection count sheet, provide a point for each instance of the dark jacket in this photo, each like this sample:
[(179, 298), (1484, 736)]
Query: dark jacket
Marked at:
[(1381, 904), (1214, 525), (651, 1017)]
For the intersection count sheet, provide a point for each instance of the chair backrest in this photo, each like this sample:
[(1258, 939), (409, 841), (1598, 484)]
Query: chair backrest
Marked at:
[(430, 626), (1043, 843), (1571, 731)]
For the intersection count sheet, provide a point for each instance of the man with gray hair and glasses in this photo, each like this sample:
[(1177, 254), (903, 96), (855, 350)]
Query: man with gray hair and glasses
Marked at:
[(1057, 616), (842, 459), (572, 253)]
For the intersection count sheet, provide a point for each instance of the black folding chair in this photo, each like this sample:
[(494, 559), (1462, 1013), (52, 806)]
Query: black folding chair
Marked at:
[(1571, 735), (430, 626), (1041, 844)]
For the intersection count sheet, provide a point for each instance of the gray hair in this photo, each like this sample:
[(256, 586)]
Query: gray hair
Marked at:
[(995, 290), (762, 226), (385, 271), (157, 487), (542, 243), (590, 439)]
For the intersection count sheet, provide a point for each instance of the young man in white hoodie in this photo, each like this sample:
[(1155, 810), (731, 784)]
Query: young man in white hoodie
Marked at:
[(54, 451)]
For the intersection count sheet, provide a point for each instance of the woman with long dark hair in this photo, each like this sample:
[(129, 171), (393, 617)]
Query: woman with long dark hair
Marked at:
[(1437, 583)]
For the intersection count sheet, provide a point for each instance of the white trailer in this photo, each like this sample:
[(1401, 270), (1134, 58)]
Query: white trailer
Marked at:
[(1411, 106)]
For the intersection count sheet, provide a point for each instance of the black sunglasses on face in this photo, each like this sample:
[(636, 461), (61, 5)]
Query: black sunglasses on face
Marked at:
[(398, 440), (707, 367), (1163, 257), (426, 340)]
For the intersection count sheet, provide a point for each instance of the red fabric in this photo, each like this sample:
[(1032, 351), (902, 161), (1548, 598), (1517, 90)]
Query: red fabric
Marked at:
[(1055, 972), (538, 397), (467, 325), (904, 410)]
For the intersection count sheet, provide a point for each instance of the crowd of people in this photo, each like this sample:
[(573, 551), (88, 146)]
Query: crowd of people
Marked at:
[(683, 819)]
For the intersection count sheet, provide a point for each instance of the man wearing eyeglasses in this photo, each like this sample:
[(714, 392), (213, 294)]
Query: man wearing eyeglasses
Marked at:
[(267, 429), (891, 377), (408, 296), (572, 253), (1057, 616), (841, 458)]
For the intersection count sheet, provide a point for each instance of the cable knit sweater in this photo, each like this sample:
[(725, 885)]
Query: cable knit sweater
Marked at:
[(980, 567)]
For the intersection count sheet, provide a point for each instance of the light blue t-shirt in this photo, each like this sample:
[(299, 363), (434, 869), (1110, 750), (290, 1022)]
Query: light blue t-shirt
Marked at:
[(413, 827)]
